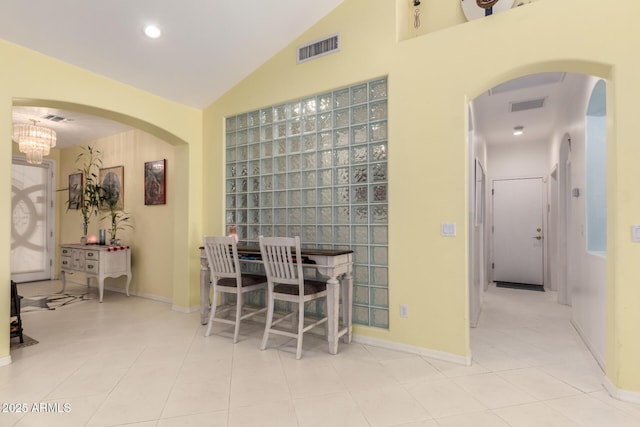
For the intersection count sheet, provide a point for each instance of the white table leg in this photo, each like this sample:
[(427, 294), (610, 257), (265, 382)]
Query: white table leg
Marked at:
[(347, 305), (333, 311)]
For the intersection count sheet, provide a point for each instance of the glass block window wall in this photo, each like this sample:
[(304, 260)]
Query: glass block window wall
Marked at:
[(317, 168)]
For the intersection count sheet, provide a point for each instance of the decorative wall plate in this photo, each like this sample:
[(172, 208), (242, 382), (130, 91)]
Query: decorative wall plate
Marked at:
[(474, 9)]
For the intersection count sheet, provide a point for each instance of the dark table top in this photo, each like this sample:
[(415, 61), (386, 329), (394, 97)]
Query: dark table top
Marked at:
[(305, 252)]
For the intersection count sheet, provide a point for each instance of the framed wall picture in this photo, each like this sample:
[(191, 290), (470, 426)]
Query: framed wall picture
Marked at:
[(75, 190), (155, 182), (112, 183)]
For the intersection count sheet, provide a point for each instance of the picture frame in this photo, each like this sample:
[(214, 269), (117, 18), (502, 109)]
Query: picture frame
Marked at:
[(75, 191), (155, 182), (112, 185)]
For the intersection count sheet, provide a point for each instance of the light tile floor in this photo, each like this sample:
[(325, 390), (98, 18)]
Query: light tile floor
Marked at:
[(133, 361)]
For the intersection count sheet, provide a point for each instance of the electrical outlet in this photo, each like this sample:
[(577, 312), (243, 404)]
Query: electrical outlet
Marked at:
[(404, 310)]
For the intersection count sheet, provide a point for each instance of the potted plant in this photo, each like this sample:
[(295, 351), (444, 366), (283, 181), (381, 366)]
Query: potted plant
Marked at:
[(119, 221), (90, 162)]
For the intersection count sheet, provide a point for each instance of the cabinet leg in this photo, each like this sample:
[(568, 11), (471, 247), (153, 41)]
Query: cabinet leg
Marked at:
[(128, 283), (63, 278)]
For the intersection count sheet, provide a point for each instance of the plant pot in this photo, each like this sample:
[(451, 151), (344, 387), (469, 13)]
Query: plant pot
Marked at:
[(83, 240), (115, 242)]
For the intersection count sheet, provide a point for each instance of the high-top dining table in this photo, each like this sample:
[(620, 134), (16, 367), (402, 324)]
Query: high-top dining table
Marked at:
[(335, 264)]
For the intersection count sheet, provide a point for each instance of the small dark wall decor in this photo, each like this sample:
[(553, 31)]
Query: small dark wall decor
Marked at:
[(112, 185), (75, 190), (155, 182)]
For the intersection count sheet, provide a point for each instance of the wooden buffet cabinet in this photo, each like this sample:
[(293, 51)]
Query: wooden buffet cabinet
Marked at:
[(95, 261)]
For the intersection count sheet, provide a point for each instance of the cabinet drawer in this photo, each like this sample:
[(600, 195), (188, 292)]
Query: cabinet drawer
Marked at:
[(90, 254), (92, 266), (65, 261), (66, 252)]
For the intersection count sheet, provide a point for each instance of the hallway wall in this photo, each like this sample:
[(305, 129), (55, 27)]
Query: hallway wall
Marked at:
[(586, 272)]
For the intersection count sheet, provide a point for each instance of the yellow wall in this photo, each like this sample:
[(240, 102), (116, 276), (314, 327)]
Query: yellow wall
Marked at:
[(431, 79), (29, 78), (151, 238)]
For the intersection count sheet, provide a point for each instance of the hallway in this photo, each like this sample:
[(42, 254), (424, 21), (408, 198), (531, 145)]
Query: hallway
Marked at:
[(133, 361), (527, 341)]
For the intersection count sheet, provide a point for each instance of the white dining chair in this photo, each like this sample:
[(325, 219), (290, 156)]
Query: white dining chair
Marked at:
[(226, 277), (286, 282)]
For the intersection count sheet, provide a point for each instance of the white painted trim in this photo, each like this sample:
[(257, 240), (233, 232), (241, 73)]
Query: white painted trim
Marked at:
[(140, 294), (435, 354), (174, 307), (4, 361), (624, 395), (186, 310), (590, 346)]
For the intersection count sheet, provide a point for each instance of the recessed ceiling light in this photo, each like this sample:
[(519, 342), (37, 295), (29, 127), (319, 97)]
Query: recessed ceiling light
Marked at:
[(518, 130), (152, 31)]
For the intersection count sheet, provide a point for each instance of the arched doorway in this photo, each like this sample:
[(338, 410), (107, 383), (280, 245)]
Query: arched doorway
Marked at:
[(510, 157), (134, 155)]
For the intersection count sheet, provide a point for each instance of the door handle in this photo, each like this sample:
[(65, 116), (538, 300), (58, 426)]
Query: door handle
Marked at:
[(537, 237)]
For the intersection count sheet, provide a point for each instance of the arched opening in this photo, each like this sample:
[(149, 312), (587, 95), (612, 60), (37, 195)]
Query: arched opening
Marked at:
[(552, 155), (156, 231)]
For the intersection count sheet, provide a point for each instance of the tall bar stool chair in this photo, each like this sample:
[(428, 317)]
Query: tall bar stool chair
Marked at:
[(283, 266), (226, 277)]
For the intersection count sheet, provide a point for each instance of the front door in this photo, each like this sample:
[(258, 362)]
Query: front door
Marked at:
[(32, 221), (517, 231)]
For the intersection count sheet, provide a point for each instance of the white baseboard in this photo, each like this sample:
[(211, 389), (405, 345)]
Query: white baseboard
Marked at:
[(589, 345), (183, 309), (4, 361), (140, 294), (174, 307), (434, 354), (616, 393)]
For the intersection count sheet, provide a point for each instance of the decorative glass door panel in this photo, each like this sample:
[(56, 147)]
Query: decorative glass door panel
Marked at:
[(31, 225)]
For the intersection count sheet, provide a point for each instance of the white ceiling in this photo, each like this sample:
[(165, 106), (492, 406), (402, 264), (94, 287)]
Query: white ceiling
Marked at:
[(495, 121), (209, 46)]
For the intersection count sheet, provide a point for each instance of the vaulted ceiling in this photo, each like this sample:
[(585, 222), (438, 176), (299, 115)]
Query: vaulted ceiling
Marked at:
[(206, 47), (209, 46)]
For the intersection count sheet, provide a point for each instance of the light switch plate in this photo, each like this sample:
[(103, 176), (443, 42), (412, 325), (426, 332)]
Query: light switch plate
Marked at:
[(448, 230), (635, 233)]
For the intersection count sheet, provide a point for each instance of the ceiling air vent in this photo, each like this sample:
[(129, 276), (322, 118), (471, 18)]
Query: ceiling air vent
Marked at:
[(527, 105), (319, 48), (53, 118)]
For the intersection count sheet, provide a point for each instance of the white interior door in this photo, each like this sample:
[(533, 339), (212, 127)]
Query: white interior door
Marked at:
[(32, 221), (518, 252)]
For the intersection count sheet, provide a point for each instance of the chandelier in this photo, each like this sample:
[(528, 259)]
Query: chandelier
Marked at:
[(34, 141)]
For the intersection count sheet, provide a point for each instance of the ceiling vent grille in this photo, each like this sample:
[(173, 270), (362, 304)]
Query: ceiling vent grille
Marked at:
[(527, 105), (319, 48), (53, 118)]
